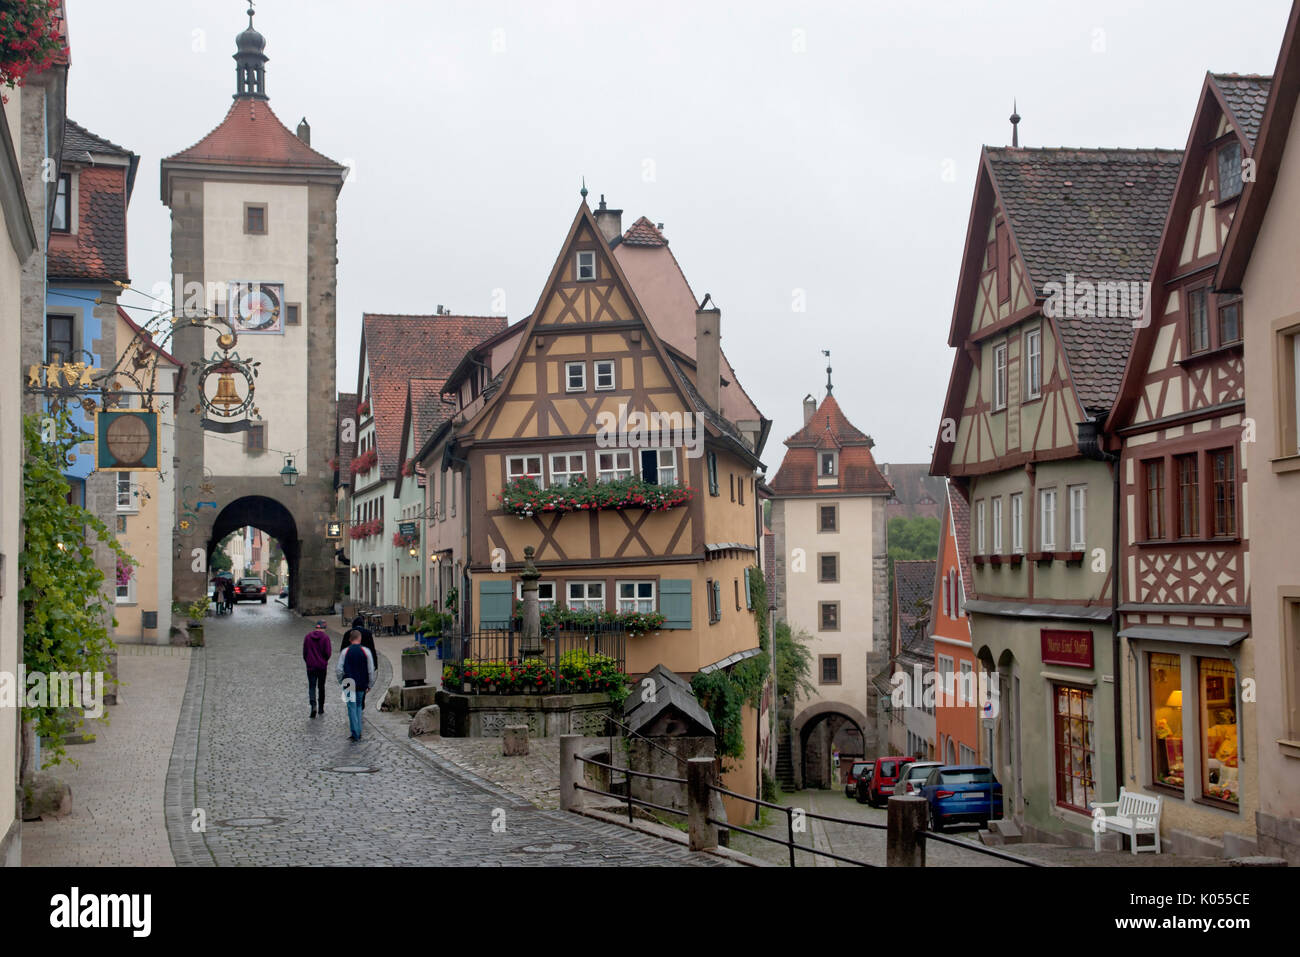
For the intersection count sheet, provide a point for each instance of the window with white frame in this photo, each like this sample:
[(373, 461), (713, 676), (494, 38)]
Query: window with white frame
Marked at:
[(614, 465), (524, 466), (966, 691), (979, 527), (586, 596), (1047, 519), (1033, 363), (1078, 517), (567, 466), (586, 265), (659, 466), (604, 372), (1000, 376), (125, 498), (575, 377), (997, 524), (946, 664), (545, 594), (636, 596), (126, 593), (1017, 523)]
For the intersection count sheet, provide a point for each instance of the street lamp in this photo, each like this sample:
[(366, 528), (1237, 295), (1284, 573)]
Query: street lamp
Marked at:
[(289, 474), (413, 551)]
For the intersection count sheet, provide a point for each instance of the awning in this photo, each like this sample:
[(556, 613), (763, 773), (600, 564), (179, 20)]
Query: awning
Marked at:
[(1218, 637), (1020, 609), (730, 660), (711, 548)]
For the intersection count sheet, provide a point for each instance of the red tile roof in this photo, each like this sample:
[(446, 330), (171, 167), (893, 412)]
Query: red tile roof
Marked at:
[(97, 250), (644, 233), (829, 428), (398, 349), (252, 135)]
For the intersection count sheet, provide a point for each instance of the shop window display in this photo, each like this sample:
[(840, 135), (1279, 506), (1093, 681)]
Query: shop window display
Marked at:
[(1167, 720), (1218, 684), (1075, 784)]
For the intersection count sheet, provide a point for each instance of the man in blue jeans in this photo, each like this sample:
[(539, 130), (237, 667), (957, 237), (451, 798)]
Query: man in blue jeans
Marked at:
[(356, 672)]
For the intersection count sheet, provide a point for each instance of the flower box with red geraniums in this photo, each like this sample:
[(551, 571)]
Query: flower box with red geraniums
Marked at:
[(523, 498), (30, 39), (365, 461), (405, 541), (366, 529), (408, 468), (363, 409)]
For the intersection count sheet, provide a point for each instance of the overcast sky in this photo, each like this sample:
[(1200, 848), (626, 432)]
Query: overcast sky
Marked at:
[(823, 151)]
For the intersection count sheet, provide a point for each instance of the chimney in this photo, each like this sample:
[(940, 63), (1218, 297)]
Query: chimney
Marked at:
[(809, 408), (708, 354), (610, 221), (304, 131)]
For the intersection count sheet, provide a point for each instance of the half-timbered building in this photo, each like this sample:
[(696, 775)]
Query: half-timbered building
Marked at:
[(593, 398), (1184, 566), (1059, 244)]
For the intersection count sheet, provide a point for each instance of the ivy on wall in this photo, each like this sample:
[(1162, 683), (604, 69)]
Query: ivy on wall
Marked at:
[(65, 608)]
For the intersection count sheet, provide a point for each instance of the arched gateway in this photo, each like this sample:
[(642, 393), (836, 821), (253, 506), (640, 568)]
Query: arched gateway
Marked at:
[(253, 261), (816, 733)]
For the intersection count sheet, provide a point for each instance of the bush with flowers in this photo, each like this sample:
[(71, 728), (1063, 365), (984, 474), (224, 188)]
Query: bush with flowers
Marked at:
[(30, 39), (578, 672), (365, 461)]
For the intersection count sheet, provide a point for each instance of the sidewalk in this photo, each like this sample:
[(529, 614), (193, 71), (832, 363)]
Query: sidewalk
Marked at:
[(117, 792)]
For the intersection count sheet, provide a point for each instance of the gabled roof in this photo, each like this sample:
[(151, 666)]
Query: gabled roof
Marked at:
[(913, 592), (98, 249), (1246, 96), (913, 484), (829, 429), (425, 413), (644, 233), (672, 693), (1270, 144), (959, 513), (398, 349)]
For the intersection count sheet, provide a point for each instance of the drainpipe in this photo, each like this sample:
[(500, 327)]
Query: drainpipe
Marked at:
[(449, 457), (1090, 445)]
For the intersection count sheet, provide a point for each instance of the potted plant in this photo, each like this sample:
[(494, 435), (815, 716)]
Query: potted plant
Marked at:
[(414, 665), (194, 612)]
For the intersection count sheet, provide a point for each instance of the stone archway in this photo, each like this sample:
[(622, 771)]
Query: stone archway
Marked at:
[(816, 732), (272, 518)]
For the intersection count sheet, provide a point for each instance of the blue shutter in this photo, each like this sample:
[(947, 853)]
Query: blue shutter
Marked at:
[(495, 609), (749, 595), (675, 602)]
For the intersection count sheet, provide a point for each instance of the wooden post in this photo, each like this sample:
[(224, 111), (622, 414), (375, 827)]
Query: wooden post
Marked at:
[(571, 799), (701, 775), (905, 845)]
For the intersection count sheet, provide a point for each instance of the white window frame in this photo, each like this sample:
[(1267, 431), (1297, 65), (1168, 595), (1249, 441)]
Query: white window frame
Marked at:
[(966, 679), (947, 584), (561, 477), (947, 666), (835, 465), (586, 602), (1078, 517), (660, 454), (542, 603), (642, 603), (569, 368), (1047, 519), (619, 471), (606, 366), (1034, 364), (979, 527), (586, 259), (995, 513), (129, 597), (513, 473), (999, 376), (130, 504), (1017, 523)]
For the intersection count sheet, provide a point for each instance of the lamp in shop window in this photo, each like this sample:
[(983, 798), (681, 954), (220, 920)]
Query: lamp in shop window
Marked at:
[(1175, 699)]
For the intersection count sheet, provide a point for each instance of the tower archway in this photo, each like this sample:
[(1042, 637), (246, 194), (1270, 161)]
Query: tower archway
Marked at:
[(269, 516)]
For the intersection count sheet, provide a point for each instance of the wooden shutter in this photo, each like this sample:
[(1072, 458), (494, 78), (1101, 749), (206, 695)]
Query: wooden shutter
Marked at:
[(749, 594), (675, 602), (495, 606)]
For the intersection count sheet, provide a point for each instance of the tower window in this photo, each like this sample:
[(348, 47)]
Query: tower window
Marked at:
[(255, 219)]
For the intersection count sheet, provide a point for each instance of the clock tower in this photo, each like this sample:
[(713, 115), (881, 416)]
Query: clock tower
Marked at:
[(254, 212)]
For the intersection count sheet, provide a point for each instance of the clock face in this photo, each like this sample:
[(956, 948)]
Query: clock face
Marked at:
[(257, 307), (128, 440)]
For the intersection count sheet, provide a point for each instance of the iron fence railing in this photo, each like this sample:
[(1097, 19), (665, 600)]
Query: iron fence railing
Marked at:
[(504, 645), (627, 797)]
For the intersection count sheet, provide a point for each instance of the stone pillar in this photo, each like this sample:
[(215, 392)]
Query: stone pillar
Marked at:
[(515, 740), (701, 775), (571, 799), (905, 844), (532, 644)]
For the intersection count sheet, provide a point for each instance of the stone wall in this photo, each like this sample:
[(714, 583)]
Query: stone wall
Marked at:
[(547, 716)]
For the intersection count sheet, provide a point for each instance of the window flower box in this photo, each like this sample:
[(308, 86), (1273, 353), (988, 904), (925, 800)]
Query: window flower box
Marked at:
[(405, 541), (1043, 558), (523, 498), (1073, 558), (995, 559), (31, 40), (1017, 559), (363, 408), (978, 560), (365, 461)]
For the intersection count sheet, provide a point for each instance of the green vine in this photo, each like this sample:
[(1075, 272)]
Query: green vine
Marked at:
[(65, 609)]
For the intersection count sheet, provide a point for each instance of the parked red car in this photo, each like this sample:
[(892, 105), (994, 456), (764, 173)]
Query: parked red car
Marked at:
[(250, 589), (883, 778)]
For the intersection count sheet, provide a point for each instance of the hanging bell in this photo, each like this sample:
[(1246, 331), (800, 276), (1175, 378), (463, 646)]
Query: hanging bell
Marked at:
[(226, 396)]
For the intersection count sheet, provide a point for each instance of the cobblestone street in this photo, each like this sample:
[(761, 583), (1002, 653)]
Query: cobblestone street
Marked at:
[(278, 787)]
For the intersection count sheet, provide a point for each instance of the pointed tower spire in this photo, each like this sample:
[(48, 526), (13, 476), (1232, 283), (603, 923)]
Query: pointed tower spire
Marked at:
[(1015, 125), (250, 62), (827, 354)]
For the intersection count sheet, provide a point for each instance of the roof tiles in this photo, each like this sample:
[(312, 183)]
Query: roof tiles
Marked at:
[(1246, 95)]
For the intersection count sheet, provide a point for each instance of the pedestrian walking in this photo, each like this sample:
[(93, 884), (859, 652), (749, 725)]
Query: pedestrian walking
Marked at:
[(357, 666), (367, 637), (316, 651)]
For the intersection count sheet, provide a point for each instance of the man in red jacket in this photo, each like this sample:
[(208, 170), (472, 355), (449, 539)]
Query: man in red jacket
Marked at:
[(316, 651)]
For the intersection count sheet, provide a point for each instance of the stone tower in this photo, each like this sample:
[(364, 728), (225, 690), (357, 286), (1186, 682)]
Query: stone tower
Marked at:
[(254, 212)]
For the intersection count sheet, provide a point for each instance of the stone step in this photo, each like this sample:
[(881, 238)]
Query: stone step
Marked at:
[(1001, 832)]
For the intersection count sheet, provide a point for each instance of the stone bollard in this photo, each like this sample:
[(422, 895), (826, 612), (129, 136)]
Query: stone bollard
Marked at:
[(110, 679), (515, 740), (905, 846), (571, 799), (701, 775)]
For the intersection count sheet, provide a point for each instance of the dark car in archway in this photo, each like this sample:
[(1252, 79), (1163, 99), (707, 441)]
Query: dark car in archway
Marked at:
[(250, 589)]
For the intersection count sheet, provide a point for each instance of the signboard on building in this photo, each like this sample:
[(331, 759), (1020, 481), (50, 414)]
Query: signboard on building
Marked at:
[(1070, 648), (406, 529), (126, 440)]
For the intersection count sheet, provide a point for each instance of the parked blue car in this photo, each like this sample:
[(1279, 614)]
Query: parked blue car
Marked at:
[(962, 794)]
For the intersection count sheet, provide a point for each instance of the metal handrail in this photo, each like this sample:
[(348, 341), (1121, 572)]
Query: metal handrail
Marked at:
[(612, 720), (628, 797), (639, 774), (979, 849)]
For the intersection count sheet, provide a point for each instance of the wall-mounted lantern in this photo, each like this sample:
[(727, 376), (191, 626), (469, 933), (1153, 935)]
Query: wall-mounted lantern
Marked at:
[(289, 474)]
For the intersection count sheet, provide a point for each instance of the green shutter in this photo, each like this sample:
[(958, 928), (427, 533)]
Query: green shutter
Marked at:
[(712, 459), (675, 602), (717, 600), (495, 609), (749, 595)]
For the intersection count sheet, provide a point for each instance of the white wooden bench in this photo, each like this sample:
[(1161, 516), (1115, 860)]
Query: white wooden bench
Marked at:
[(1134, 814)]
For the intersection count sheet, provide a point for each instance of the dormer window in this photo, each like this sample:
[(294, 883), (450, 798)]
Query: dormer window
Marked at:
[(1229, 171), (62, 221), (586, 265), (829, 465)]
